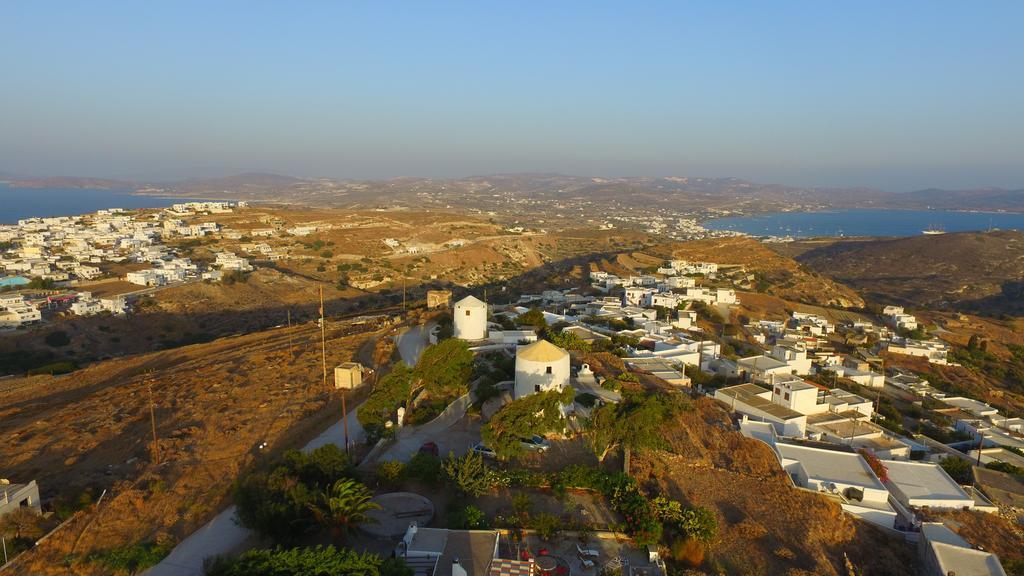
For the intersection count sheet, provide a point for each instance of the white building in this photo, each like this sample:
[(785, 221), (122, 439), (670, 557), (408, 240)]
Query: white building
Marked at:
[(934, 350), (229, 261), (920, 484), (844, 474), (15, 496), (470, 319), (755, 402), (943, 553), (15, 312), (540, 367), (806, 398)]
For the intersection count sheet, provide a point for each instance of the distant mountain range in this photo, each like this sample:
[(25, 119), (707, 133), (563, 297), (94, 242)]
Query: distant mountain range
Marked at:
[(732, 194)]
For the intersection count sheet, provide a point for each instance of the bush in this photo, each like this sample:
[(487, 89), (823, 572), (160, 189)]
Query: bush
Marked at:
[(699, 524), (54, 368), (57, 339), (688, 551), (232, 276), (390, 473), (1005, 467), (308, 561), (424, 467), (469, 474), (131, 559), (547, 525), (468, 518), (958, 469)]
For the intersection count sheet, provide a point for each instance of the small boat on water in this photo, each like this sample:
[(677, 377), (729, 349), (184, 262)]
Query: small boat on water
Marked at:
[(932, 232)]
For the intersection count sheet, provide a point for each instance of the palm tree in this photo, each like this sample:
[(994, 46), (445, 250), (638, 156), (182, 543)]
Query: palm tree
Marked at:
[(344, 507)]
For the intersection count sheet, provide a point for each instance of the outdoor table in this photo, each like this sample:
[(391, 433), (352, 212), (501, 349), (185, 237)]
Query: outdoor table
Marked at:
[(546, 564)]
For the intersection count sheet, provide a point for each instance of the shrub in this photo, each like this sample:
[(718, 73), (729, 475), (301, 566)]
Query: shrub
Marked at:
[(130, 559), (875, 464), (54, 368), (469, 474), (307, 561), (699, 523), (424, 467), (390, 473), (57, 339), (468, 518), (688, 551), (958, 469), (547, 525)]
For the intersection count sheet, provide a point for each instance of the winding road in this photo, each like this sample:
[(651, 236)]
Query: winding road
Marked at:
[(223, 535)]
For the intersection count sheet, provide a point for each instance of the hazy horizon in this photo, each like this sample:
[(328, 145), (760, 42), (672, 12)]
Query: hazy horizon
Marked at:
[(892, 97)]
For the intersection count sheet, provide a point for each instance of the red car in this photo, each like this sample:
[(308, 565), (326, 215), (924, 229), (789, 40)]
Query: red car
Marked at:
[(430, 448)]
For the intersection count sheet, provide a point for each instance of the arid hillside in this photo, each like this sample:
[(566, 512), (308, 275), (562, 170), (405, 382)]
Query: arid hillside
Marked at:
[(766, 526), (972, 271), (214, 405)]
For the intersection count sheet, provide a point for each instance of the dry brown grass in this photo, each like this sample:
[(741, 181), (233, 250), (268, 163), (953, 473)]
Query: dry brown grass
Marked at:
[(214, 404), (766, 526)]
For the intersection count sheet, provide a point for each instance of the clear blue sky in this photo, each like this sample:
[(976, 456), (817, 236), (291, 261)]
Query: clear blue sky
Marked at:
[(894, 95)]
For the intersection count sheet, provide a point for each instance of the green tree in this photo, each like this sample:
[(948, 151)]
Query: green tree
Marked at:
[(391, 392), (444, 369), (344, 507), (277, 500), (469, 474), (957, 468), (533, 317), (568, 341), (522, 418), (637, 423)]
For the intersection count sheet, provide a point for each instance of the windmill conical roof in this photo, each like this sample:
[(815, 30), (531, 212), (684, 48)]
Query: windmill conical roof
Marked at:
[(541, 351)]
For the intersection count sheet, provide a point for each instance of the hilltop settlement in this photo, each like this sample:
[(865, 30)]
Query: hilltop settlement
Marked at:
[(551, 408)]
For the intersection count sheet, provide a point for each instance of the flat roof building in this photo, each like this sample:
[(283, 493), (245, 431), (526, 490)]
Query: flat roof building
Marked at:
[(920, 484), (943, 552), (755, 402)]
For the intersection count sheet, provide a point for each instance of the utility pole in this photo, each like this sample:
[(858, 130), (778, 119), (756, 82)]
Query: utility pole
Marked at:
[(291, 349), (981, 443), (152, 422), (344, 419), (403, 292), (323, 336)]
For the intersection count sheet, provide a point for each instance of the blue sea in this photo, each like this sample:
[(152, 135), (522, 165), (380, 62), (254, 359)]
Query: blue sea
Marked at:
[(19, 203), (866, 222)]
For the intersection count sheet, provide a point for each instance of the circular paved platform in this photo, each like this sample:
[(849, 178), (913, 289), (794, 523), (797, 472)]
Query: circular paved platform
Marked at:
[(398, 509)]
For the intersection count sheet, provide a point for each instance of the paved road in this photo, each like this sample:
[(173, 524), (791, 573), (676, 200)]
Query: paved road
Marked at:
[(413, 341), (223, 535), (443, 430)]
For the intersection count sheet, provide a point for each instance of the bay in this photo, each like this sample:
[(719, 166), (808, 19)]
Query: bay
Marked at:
[(20, 203), (866, 222)]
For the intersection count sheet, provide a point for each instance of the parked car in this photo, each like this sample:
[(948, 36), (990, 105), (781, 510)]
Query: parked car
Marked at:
[(535, 442), (484, 451), (430, 448)]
